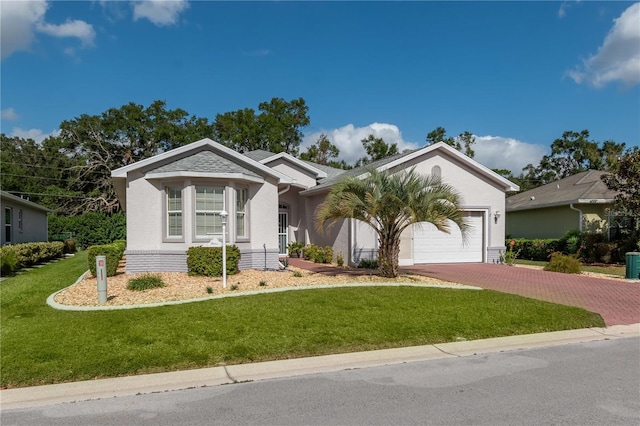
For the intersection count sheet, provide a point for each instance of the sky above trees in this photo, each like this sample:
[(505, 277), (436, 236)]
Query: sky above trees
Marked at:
[(515, 74)]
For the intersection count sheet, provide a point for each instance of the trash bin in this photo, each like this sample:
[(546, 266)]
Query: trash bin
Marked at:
[(633, 265)]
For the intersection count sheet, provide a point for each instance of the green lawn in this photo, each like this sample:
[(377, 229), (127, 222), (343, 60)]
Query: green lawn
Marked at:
[(616, 270), (43, 345)]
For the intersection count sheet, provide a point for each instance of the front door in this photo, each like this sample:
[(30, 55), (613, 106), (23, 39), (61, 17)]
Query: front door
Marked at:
[(283, 238)]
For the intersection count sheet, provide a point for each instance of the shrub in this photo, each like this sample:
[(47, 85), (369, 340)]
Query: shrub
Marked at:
[(297, 274), (328, 254), (70, 245), (310, 252), (29, 254), (88, 229), (113, 253), (8, 260), (340, 259), (145, 282), (207, 261), (368, 263), (262, 283), (569, 264), (295, 248)]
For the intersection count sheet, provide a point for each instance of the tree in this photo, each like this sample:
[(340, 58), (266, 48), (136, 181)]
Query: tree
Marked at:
[(389, 203), (626, 180), (322, 152), (277, 128), (573, 153), (376, 149), (463, 142)]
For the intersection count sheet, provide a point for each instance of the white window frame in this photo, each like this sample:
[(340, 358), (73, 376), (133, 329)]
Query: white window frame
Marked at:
[(242, 214), (207, 212), (167, 237)]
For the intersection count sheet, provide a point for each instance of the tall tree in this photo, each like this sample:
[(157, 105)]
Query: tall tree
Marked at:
[(389, 203), (321, 152), (34, 170), (376, 149), (276, 128), (574, 152), (463, 142), (625, 179), (99, 144)]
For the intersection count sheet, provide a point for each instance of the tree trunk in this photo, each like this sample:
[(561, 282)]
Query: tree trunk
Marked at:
[(388, 256)]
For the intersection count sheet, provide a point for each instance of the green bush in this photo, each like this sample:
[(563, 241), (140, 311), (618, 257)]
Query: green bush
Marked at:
[(145, 282), (368, 263), (340, 259), (8, 261), (310, 252), (89, 228), (30, 254), (328, 254), (113, 252), (207, 261), (535, 249), (569, 264), (70, 245)]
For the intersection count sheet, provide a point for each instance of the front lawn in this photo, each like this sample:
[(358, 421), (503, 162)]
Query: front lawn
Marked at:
[(42, 345)]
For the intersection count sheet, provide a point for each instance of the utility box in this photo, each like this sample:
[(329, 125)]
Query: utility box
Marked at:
[(633, 265)]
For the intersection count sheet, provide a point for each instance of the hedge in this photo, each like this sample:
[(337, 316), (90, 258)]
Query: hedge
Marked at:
[(207, 261), (24, 255), (113, 252), (88, 229)]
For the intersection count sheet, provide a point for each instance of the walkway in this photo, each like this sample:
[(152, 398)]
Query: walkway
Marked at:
[(617, 301)]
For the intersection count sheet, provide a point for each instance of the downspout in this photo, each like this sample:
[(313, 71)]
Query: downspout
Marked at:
[(580, 212), (284, 190)]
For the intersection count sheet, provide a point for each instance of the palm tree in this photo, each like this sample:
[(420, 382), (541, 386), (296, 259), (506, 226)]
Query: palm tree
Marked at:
[(390, 203)]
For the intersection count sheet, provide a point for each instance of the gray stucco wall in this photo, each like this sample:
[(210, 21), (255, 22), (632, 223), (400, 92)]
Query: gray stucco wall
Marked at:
[(34, 227)]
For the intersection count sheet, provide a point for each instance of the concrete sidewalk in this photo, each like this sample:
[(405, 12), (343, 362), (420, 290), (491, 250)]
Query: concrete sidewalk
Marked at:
[(161, 382)]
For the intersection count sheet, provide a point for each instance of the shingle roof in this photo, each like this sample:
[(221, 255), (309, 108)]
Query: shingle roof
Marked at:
[(205, 162), (583, 187)]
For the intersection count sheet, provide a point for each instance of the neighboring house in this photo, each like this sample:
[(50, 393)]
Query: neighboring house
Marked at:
[(23, 221), (579, 202), (173, 201)]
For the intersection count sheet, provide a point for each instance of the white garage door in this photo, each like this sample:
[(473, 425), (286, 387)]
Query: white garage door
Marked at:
[(433, 246)]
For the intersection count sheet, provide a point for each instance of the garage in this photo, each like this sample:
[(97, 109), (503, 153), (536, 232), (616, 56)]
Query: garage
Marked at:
[(433, 246)]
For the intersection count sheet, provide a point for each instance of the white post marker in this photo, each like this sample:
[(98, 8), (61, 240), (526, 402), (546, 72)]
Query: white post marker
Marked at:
[(101, 276), (223, 215)]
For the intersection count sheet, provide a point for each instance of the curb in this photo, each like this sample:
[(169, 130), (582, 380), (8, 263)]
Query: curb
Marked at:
[(162, 382)]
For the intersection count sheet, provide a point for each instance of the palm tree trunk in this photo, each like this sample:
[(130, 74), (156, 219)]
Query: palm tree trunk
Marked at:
[(388, 255)]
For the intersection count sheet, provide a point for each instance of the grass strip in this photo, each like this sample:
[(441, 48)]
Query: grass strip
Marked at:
[(41, 345)]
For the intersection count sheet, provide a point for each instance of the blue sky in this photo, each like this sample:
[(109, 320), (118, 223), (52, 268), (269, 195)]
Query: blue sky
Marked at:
[(515, 74)]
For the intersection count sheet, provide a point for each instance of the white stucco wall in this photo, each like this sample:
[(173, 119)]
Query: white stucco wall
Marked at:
[(299, 175)]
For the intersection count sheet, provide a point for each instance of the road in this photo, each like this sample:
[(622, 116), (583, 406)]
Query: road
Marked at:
[(575, 384)]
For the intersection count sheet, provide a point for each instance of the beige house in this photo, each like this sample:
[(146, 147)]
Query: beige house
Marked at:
[(174, 201), (579, 202)]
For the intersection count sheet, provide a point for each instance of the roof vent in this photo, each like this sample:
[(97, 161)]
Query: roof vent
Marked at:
[(558, 186), (533, 198)]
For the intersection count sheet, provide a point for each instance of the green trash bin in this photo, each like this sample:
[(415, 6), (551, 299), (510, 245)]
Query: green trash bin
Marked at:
[(633, 265)]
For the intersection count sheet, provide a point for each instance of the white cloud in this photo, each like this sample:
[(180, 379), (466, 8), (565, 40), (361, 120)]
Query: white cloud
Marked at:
[(17, 21), (159, 12), (496, 152), (21, 20), (618, 59), (9, 114), (78, 29), (348, 139), (35, 134), (565, 6)]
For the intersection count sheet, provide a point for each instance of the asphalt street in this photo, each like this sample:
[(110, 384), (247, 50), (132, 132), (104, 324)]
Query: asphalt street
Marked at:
[(576, 384)]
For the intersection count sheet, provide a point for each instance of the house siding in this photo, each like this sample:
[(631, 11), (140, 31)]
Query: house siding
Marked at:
[(34, 223), (552, 222)]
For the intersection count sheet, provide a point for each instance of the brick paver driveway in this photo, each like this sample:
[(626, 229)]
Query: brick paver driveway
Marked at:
[(617, 301)]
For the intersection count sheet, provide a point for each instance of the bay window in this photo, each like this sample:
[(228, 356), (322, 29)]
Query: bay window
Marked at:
[(209, 204)]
